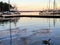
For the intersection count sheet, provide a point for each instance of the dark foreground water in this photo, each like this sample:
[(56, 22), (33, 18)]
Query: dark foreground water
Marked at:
[(30, 31)]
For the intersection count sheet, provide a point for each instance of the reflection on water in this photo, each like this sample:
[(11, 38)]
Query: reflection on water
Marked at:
[(5, 23), (30, 31)]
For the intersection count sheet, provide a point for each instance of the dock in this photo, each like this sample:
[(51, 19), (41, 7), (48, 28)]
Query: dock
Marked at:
[(40, 16)]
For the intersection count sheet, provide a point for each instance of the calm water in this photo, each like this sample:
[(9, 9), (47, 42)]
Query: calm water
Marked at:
[(30, 31)]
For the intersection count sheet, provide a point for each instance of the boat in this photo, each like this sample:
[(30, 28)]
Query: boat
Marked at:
[(51, 12), (10, 14)]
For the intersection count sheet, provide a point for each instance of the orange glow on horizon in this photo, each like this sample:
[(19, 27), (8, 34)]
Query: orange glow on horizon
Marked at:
[(34, 8)]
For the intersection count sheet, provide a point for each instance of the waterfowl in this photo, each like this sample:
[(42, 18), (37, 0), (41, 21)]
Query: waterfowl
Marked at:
[(46, 41)]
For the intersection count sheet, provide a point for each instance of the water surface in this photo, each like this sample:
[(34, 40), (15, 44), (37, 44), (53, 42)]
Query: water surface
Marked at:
[(30, 31)]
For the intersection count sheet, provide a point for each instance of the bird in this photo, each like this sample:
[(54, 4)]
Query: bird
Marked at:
[(46, 41)]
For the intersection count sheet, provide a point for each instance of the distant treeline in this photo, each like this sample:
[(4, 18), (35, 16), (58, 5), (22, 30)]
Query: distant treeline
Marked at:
[(5, 6)]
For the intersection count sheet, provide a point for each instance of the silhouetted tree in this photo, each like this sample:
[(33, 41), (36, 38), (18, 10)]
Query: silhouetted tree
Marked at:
[(5, 6)]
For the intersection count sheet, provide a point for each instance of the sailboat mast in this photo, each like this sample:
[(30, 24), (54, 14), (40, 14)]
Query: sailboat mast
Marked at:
[(9, 4), (9, 1), (49, 4), (54, 5)]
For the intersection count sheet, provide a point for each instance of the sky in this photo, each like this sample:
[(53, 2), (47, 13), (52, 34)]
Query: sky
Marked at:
[(33, 4)]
